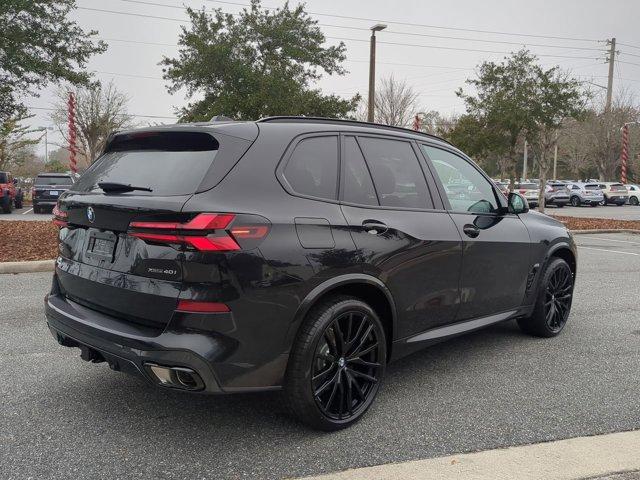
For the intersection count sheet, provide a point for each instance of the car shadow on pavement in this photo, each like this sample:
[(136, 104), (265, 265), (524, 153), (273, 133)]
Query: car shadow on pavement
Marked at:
[(118, 399)]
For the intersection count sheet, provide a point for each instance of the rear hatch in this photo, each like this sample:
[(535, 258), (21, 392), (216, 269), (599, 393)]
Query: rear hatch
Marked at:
[(104, 264), (619, 190), (50, 187)]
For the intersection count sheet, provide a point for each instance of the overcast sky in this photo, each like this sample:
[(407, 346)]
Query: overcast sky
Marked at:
[(580, 28)]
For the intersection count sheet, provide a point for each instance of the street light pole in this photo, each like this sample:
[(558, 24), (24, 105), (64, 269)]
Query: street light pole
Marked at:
[(372, 72)]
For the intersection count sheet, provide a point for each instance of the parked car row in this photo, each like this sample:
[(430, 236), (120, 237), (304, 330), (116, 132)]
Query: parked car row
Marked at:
[(46, 189), (567, 192)]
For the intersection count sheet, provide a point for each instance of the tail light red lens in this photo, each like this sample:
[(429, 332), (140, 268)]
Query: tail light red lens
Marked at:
[(191, 306), (207, 232), (59, 217)]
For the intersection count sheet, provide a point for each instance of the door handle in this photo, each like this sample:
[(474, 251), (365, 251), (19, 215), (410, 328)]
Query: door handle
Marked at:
[(374, 227), (471, 230)]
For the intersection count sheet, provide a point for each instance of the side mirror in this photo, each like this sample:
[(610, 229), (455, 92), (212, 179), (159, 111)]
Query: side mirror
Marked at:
[(517, 203)]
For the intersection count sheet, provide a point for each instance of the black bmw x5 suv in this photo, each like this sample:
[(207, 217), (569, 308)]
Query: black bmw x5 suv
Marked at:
[(294, 253)]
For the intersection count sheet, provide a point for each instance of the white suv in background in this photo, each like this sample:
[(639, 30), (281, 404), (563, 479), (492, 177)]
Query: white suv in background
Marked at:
[(585, 194), (614, 192), (634, 193)]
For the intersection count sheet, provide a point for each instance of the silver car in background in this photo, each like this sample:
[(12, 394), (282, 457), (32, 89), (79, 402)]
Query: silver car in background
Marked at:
[(528, 190), (556, 193), (585, 194)]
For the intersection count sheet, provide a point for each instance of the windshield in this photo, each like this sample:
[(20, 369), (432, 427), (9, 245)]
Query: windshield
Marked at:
[(62, 180)]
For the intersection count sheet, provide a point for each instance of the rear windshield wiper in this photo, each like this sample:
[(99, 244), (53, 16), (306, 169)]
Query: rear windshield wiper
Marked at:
[(121, 187)]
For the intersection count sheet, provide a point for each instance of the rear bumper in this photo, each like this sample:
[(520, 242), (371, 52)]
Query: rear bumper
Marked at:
[(44, 203), (126, 347)]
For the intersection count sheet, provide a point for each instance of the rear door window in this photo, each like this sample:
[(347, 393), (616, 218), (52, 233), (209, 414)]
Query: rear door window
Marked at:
[(49, 180), (312, 168), (397, 175), (169, 163), (357, 186)]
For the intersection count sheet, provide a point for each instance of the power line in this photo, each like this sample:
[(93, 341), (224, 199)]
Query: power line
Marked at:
[(628, 63), (346, 39), (629, 45), (131, 114), (395, 22), (630, 54), (414, 34)]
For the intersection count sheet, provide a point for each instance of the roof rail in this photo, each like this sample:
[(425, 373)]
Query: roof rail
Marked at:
[(292, 119)]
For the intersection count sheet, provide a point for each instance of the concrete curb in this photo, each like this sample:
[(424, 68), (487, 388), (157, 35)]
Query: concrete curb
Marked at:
[(571, 459), (611, 230), (27, 267)]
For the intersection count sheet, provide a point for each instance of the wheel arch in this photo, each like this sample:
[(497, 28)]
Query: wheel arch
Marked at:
[(565, 252), (367, 288)]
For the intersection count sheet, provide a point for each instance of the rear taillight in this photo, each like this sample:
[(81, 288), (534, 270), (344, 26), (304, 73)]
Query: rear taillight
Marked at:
[(206, 232), (60, 218), (191, 306), (523, 191)]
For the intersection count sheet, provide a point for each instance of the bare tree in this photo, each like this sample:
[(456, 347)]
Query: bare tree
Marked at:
[(396, 102), (602, 134), (100, 110), (13, 140)]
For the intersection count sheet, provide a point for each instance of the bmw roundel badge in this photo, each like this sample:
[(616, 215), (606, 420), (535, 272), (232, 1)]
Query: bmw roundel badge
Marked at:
[(91, 214)]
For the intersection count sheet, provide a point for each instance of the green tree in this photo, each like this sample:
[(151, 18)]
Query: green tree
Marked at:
[(258, 63), (13, 141), (502, 103), (40, 44)]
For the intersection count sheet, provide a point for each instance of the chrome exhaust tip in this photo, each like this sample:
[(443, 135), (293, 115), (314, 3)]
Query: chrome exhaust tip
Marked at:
[(175, 377)]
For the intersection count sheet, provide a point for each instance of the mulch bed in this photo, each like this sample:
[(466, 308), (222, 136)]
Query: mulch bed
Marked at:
[(38, 240), (574, 223), (22, 240)]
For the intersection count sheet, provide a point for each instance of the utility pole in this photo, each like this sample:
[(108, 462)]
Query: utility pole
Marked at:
[(372, 72), (524, 163), (555, 157), (611, 59)]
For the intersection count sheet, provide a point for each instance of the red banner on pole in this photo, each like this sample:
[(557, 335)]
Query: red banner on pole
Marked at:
[(624, 155), (416, 122), (72, 132)]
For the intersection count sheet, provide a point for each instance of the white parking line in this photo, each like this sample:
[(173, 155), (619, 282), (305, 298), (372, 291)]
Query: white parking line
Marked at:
[(610, 251), (27, 211), (619, 241)]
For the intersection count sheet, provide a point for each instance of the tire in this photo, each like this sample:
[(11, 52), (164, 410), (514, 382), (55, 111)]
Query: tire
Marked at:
[(559, 205), (604, 202), (7, 206), (18, 202), (575, 201), (36, 209), (324, 375), (634, 201), (550, 314), (595, 204)]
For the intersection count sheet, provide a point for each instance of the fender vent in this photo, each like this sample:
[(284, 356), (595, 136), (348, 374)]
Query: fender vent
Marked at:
[(531, 277)]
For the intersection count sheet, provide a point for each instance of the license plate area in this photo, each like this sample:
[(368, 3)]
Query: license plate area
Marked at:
[(101, 245), (54, 193)]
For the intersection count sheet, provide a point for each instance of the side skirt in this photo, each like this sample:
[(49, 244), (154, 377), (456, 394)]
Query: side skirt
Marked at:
[(421, 340)]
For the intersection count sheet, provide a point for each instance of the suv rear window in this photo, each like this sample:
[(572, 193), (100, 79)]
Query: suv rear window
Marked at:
[(592, 187), (49, 180), (169, 163)]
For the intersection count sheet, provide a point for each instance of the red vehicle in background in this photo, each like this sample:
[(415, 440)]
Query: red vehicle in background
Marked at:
[(10, 195)]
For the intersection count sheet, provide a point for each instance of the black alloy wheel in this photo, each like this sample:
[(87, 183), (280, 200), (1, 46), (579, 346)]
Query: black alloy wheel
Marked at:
[(337, 363), (634, 201), (553, 302), (346, 365), (575, 201), (557, 301)]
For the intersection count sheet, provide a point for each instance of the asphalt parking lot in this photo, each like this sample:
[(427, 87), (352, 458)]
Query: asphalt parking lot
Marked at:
[(26, 214), (64, 418)]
